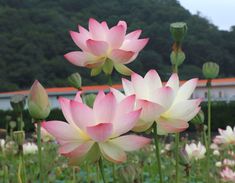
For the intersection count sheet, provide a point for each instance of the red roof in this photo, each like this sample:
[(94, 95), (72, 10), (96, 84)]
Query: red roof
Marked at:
[(220, 81)]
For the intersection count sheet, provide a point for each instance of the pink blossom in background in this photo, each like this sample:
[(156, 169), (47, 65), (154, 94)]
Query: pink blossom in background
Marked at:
[(170, 105), (228, 175), (91, 132), (226, 136), (100, 43)]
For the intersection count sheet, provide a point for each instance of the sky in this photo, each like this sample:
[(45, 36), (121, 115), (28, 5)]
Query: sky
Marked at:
[(219, 12)]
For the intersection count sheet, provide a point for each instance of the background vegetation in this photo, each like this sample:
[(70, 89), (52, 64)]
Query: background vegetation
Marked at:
[(34, 37)]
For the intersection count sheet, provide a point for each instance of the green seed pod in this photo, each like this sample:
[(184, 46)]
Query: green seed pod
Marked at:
[(18, 103), (210, 70), (8, 118), (19, 137), (178, 31), (199, 118), (12, 124), (38, 102), (177, 57), (75, 80)]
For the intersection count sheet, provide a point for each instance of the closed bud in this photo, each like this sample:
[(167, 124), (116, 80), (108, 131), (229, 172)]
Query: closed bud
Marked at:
[(89, 99), (177, 57), (199, 118), (210, 70), (12, 124), (184, 159), (178, 31), (19, 137), (38, 102), (18, 103), (75, 80)]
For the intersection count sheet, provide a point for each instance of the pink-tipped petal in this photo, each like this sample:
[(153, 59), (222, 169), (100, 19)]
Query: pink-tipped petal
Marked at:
[(186, 90), (83, 115), (131, 142), (125, 123), (78, 97), (68, 147), (116, 36), (100, 132), (105, 110), (139, 86), (105, 27), (133, 35), (125, 105), (123, 23), (127, 87), (61, 130), (192, 114), (97, 48), (96, 30), (83, 31), (98, 98), (182, 110), (77, 58), (150, 111), (118, 95), (81, 150), (112, 152), (163, 96), (121, 56), (173, 82), (134, 45), (80, 39), (153, 80), (173, 126)]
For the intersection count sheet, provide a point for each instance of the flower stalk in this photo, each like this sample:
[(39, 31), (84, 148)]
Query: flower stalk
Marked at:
[(177, 136), (101, 167), (156, 141), (39, 151)]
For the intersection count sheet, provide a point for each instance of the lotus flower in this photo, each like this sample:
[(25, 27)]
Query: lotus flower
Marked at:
[(30, 148), (227, 175), (168, 105), (103, 47), (90, 133), (226, 136), (195, 151)]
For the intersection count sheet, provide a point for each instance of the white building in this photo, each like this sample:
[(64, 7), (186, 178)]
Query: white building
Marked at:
[(223, 89)]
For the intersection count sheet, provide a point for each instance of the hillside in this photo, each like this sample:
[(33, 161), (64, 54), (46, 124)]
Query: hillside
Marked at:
[(34, 37)]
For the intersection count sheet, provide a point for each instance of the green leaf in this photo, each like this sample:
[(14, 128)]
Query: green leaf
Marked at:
[(96, 71), (108, 67)]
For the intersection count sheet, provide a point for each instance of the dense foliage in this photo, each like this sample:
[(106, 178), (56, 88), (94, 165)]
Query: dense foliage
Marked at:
[(34, 37)]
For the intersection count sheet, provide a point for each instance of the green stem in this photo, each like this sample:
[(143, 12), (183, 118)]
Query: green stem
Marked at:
[(39, 151), (156, 141), (209, 111), (114, 176), (175, 68), (21, 121), (110, 82), (101, 167), (74, 174), (177, 136)]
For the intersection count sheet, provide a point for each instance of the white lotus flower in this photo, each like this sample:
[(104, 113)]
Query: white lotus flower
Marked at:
[(195, 151)]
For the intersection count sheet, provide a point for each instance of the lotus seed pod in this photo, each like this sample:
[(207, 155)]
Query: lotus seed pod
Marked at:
[(210, 70), (178, 31), (12, 124)]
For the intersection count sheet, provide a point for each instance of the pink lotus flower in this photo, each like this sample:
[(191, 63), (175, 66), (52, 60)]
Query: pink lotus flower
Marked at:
[(226, 136), (168, 105), (227, 175), (102, 44), (90, 133)]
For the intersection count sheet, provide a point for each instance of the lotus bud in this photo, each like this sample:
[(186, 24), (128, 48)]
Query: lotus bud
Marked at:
[(199, 118), (178, 31), (184, 159), (12, 124), (75, 80), (177, 57), (38, 102), (127, 174), (19, 137), (89, 99), (18, 103), (210, 70)]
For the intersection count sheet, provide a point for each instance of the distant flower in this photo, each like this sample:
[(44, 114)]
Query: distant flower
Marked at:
[(168, 105), (102, 44), (216, 153), (229, 162), (227, 175), (90, 133), (30, 148), (195, 151), (214, 146), (45, 136), (218, 164), (226, 136), (2, 143)]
